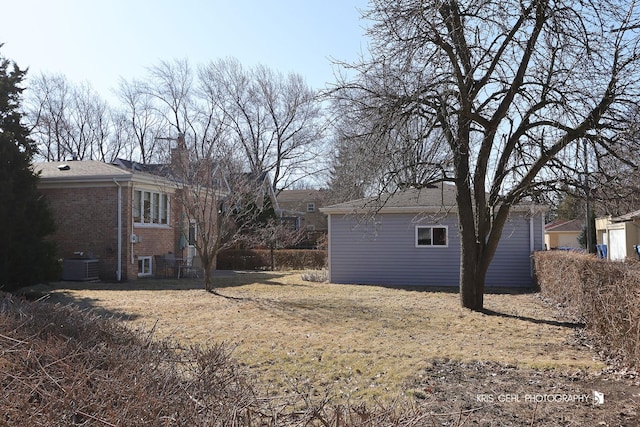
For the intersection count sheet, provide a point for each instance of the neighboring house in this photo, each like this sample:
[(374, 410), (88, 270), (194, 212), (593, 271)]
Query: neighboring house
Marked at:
[(302, 208), (412, 238), (563, 234), (619, 235), (119, 216)]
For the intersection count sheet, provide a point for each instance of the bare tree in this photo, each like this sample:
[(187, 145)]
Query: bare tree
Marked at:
[(68, 120), (274, 233), (172, 103), (350, 176), (275, 121), (170, 84), (613, 178), (89, 125), (143, 120), (508, 87), (215, 195), (122, 140), (48, 100)]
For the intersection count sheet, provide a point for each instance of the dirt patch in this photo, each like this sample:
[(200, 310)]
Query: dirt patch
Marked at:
[(492, 394), (506, 366)]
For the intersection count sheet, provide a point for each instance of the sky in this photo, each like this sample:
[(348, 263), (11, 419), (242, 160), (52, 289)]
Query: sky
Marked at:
[(102, 41)]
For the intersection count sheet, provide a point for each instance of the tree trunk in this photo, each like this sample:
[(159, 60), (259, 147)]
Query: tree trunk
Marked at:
[(473, 262), (207, 278), (472, 278), (477, 249), (207, 264), (273, 257)]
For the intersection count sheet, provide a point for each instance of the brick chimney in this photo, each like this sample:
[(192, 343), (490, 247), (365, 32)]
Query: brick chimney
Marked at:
[(179, 156)]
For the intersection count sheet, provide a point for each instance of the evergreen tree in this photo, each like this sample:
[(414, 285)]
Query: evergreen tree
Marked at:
[(350, 173), (571, 204), (25, 257)]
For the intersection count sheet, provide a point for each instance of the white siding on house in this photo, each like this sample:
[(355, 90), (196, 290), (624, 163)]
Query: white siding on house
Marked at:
[(386, 254)]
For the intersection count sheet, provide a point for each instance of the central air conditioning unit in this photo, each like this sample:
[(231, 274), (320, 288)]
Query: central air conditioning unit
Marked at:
[(80, 269)]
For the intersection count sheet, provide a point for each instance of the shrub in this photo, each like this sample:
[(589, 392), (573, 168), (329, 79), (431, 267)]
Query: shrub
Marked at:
[(318, 276), (604, 295), (295, 259), (260, 259), (240, 259), (63, 366)]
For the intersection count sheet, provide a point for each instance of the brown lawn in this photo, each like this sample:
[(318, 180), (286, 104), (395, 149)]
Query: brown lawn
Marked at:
[(350, 341)]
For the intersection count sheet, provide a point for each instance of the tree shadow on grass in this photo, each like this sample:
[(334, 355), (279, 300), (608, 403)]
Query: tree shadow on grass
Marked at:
[(62, 292), (91, 305), (572, 325), (456, 289), (493, 291), (263, 277), (220, 279)]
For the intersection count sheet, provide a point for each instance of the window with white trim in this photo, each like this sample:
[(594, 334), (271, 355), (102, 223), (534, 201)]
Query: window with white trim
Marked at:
[(144, 266), (311, 207), (150, 207), (193, 235), (432, 235)]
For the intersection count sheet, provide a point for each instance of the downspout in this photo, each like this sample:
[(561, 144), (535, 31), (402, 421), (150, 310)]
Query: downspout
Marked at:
[(542, 224), (532, 238), (119, 269), (133, 225), (532, 241), (329, 246)]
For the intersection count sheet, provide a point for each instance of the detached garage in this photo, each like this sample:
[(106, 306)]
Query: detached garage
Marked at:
[(619, 235), (411, 239)]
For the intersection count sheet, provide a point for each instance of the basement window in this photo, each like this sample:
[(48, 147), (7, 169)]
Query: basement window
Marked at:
[(144, 266), (430, 236)]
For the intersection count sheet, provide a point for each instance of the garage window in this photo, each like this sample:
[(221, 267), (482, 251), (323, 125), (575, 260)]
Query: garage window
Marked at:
[(432, 235)]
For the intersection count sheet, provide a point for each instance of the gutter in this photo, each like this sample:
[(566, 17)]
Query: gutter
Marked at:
[(355, 210), (119, 269)]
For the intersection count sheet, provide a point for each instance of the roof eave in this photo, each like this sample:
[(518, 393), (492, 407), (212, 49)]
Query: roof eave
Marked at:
[(102, 179), (417, 209)]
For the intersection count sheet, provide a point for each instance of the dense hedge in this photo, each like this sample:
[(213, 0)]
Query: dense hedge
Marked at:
[(62, 366), (604, 295), (260, 259)]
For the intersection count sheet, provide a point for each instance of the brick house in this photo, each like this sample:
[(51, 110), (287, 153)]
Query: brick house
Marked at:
[(302, 208), (118, 214)]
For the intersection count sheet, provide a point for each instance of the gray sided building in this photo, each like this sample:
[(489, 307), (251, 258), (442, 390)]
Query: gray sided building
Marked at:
[(412, 238)]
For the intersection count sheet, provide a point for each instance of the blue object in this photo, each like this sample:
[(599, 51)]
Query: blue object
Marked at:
[(602, 251)]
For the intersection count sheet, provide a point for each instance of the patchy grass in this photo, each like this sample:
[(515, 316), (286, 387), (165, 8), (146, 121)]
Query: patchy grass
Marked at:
[(344, 340)]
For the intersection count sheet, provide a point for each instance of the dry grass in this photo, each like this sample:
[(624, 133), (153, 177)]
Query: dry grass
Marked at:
[(351, 341)]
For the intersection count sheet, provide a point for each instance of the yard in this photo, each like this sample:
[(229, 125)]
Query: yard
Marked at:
[(376, 344)]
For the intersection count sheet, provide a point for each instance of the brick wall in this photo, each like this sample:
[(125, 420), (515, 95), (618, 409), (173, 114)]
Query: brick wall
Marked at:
[(87, 222), (154, 239)]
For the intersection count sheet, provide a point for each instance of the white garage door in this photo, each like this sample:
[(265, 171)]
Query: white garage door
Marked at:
[(617, 245)]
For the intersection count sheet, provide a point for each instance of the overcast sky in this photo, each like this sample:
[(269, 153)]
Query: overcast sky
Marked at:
[(101, 41)]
